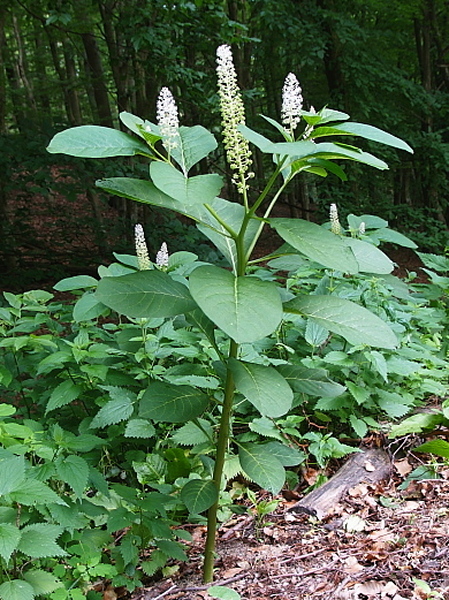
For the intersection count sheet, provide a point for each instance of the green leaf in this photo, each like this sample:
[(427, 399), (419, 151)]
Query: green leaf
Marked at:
[(438, 447), (314, 382), (9, 539), (146, 294), (286, 455), (353, 322), (63, 394), (263, 386), (359, 426), (245, 308), (369, 258), (223, 593), (16, 589), (12, 473), (43, 583), (262, 467), (88, 307), (172, 403), (94, 141), (232, 214), (171, 549), (118, 409), (200, 189), (194, 144), (392, 237), (139, 428), (317, 243), (74, 471), (6, 410), (394, 404), (416, 424), (265, 427), (39, 540), (79, 282), (365, 131), (32, 491), (191, 434), (199, 495)]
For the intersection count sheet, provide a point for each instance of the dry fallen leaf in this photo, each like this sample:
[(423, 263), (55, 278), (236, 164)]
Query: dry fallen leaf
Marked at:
[(403, 467), (352, 565)]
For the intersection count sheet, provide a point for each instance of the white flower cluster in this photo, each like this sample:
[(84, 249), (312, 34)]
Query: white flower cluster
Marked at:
[(335, 222), (162, 256), (167, 119), (292, 102), (143, 258), (233, 114)]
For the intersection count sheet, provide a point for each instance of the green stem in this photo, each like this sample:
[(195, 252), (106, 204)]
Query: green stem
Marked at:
[(222, 446)]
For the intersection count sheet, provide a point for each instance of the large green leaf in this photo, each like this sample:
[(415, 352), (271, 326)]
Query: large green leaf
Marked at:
[(88, 307), (262, 467), (314, 382), (145, 294), (245, 308), (317, 243), (119, 408), (141, 190), (9, 539), (365, 131), (172, 403), (94, 141), (199, 495), (16, 589), (12, 473), (232, 214), (42, 582), (78, 282), (353, 322), (194, 144), (32, 491), (263, 386), (39, 540), (74, 471), (200, 189), (63, 394), (370, 259)]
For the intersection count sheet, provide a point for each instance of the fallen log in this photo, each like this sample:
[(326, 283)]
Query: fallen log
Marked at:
[(369, 466)]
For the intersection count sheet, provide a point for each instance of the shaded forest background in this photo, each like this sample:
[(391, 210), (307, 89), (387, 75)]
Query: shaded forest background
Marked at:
[(67, 63)]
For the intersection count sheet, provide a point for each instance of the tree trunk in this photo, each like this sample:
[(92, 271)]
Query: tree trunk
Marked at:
[(95, 67)]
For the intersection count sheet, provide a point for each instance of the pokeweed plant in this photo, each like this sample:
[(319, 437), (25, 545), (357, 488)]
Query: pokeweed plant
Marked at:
[(233, 307)]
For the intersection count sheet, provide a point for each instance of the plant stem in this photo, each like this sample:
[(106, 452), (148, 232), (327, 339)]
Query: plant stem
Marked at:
[(222, 446)]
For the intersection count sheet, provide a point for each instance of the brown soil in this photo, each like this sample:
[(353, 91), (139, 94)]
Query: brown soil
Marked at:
[(379, 543)]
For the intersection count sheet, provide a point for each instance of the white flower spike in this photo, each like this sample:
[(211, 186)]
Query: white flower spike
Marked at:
[(143, 258), (333, 217), (292, 102), (162, 256), (167, 119)]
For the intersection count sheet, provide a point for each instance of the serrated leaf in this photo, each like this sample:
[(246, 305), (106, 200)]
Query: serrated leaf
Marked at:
[(74, 471), (262, 467), (118, 409), (16, 589), (265, 427), (359, 426), (63, 394), (39, 540), (9, 539), (172, 403), (438, 447), (316, 243), (353, 322), (146, 294), (43, 583), (199, 495), (393, 404), (263, 386), (32, 491), (84, 442), (172, 549), (416, 424), (139, 428), (191, 434), (12, 474), (245, 308)]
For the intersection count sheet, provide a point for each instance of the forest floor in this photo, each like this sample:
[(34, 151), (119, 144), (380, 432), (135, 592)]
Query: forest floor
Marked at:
[(381, 542), (387, 541)]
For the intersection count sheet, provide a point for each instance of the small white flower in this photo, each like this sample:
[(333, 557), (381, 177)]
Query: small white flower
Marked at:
[(291, 102), (167, 119), (335, 222), (162, 256), (233, 114), (143, 258)]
